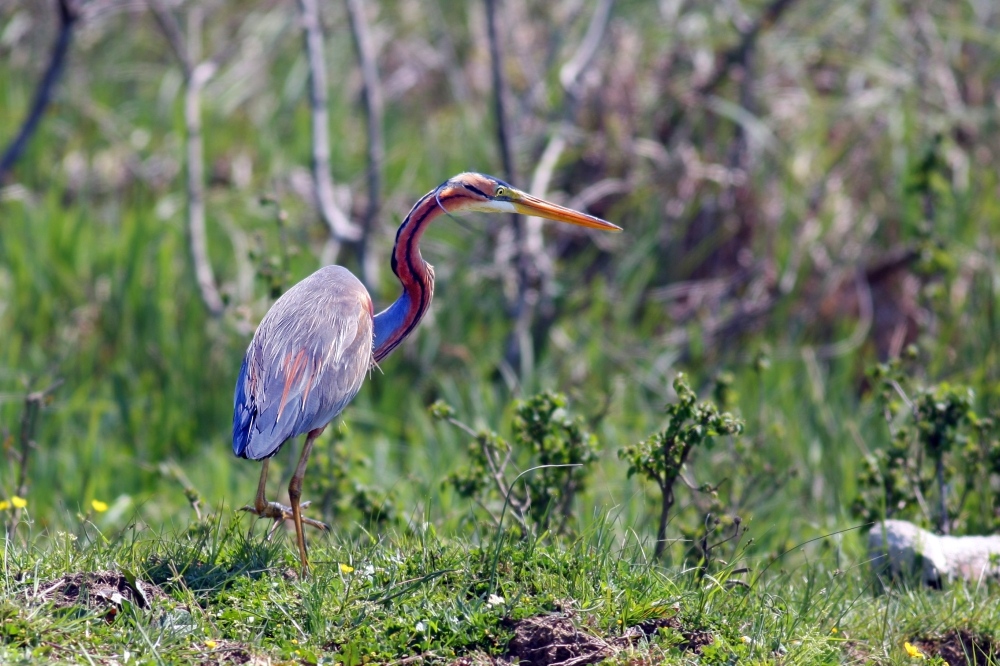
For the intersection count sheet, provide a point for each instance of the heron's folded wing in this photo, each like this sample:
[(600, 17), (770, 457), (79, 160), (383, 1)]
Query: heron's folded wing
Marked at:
[(300, 371)]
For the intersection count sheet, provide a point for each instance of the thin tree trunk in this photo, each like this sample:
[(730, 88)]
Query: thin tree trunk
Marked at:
[(372, 95), (521, 292), (341, 228), (197, 73), (68, 16), (195, 162), (666, 503), (196, 79)]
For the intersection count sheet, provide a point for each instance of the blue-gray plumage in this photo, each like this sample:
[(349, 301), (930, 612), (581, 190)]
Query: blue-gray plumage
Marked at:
[(312, 350), (306, 362)]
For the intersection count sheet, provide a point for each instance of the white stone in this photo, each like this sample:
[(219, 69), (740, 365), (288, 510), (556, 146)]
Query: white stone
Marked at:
[(915, 552)]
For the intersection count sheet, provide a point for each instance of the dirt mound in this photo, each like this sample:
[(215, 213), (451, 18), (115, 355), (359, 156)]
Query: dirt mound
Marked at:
[(550, 640), (554, 639), (100, 589)]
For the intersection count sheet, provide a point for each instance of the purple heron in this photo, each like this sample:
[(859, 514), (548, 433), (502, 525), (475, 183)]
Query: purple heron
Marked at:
[(315, 345)]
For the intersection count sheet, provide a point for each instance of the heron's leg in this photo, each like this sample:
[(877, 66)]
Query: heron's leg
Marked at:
[(295, 493), (279, 513), (260, 502)]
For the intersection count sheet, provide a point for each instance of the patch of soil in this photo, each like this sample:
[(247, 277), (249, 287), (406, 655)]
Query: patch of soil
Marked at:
[(961, 647), (99, 590), (554, 639), (551, 640)]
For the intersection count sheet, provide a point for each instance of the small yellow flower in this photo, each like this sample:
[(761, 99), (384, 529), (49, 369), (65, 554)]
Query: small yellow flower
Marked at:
[(834, 630), (4, 505), (345, 568), (210, 644), (99, 506), (18, 502), (746, 639), (914, 651)]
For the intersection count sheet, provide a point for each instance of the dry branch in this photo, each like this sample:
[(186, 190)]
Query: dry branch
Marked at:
[(499, 95), (371, 93), (570, 73), (195, 162), (171, 30), (531, 251), (33, 403), (533, 245), (197, 73), (341, 228), (512, 254), (68, 15)]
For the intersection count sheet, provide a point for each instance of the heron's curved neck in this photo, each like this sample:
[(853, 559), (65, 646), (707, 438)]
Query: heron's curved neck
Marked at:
[(398, 320)]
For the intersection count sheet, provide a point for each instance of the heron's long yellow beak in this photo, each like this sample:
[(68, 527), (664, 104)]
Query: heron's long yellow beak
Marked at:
[(528, 205)]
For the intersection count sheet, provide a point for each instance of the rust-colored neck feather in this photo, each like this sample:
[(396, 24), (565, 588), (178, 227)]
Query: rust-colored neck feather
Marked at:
[(393, 324)]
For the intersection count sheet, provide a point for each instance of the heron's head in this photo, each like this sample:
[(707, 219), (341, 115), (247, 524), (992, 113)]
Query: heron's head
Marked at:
[(475, 192)]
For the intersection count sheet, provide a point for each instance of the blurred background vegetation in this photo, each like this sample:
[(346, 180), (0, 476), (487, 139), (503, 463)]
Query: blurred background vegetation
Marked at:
[(807, 189)]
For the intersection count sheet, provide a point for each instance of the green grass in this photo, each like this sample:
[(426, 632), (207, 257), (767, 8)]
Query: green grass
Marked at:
[(212, 592)]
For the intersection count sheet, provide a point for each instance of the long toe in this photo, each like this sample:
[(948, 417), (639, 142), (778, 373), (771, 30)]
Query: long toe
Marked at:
[(311, 522), (280, 513), (315, 523), (273, 510)]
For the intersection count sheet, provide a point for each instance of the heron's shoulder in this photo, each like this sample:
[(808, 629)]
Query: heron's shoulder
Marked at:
[(333, 271), (331, 299), (329, 282)]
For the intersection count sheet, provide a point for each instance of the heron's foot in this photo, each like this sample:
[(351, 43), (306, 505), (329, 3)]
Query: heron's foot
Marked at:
[(279, 513)]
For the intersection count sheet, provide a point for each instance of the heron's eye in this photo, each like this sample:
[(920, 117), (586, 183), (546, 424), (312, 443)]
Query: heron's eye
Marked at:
[(501, 191)]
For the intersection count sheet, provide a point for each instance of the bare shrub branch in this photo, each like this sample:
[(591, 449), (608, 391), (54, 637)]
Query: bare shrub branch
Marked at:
[(341, 228), (68, 15), (33, 403), (371, 93), (197, 73)]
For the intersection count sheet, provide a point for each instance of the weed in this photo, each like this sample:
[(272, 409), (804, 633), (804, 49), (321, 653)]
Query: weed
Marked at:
[(939, 467), (661, 457), (547, 439)]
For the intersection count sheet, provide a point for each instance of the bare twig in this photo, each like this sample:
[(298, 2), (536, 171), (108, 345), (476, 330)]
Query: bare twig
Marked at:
[(499, 94), (534, 263), (371, 93), (33, 403), (341, 228), (512, 256), (68, 15), (498, 472), (195, 82), (171, 30), (195, 163), (570, 73), (197, 73)]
